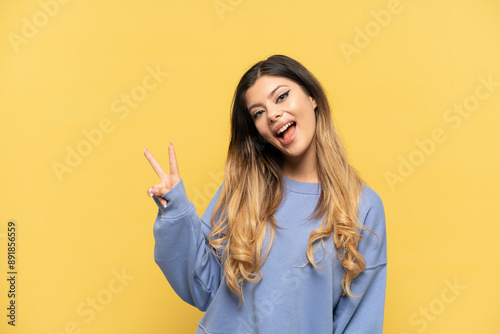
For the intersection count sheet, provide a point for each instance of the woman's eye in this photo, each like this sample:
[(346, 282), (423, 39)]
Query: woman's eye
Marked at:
[(282, 96), (257, 114)]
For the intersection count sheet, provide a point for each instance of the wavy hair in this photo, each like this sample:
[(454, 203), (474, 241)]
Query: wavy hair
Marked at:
[(253, 188)]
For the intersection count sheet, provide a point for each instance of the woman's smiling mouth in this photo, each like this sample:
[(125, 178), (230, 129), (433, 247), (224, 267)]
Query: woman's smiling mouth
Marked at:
[(286, 133)]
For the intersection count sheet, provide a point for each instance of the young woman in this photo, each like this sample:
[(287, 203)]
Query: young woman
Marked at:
[(293, 240)]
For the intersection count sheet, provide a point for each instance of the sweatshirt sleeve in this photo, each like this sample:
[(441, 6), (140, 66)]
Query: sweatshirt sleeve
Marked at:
[(181, 248), (365, 314)]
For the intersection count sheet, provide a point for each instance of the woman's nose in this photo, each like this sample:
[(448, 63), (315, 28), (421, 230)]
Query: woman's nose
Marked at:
[(274, 114)]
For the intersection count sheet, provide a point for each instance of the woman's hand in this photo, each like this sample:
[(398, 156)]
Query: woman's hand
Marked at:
[(167, 181)]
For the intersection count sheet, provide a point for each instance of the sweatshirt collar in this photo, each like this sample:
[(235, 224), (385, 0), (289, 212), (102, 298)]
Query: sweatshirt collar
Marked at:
[(301, 187)]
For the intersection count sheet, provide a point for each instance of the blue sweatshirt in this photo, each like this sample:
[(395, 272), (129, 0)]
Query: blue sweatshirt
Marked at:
[(291, 297)]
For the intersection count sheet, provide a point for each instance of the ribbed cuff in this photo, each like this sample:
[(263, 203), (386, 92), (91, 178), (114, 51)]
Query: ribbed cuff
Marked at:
[(177, 201)]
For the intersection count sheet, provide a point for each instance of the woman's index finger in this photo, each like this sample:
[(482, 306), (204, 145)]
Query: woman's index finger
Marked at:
[(155, 164), (174, 169)]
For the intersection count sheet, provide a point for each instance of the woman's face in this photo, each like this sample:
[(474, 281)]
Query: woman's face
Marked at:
[(283, 114)]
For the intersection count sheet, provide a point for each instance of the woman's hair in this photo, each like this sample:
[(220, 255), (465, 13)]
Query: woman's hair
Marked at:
[(253, 187)]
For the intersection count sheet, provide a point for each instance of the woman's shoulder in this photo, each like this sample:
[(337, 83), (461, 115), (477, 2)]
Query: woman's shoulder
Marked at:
[(370, 204), (207, 215), (370, 197), (372, 216)]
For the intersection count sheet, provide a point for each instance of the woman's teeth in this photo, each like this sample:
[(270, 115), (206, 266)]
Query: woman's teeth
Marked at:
[(284, 127)]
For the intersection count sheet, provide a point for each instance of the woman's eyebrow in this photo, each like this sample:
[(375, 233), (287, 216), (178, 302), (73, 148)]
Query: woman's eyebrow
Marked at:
[(269, 96)]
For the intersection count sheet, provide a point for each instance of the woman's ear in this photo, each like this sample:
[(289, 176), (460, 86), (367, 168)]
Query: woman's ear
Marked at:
[(313, 101)]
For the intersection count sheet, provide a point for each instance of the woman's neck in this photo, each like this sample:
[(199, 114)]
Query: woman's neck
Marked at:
[(302, 168)]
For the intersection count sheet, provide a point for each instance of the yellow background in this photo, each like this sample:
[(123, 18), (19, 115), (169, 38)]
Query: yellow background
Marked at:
[(76, 231)]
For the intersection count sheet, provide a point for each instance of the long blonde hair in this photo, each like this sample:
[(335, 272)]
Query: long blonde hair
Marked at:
[(253, 189)]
